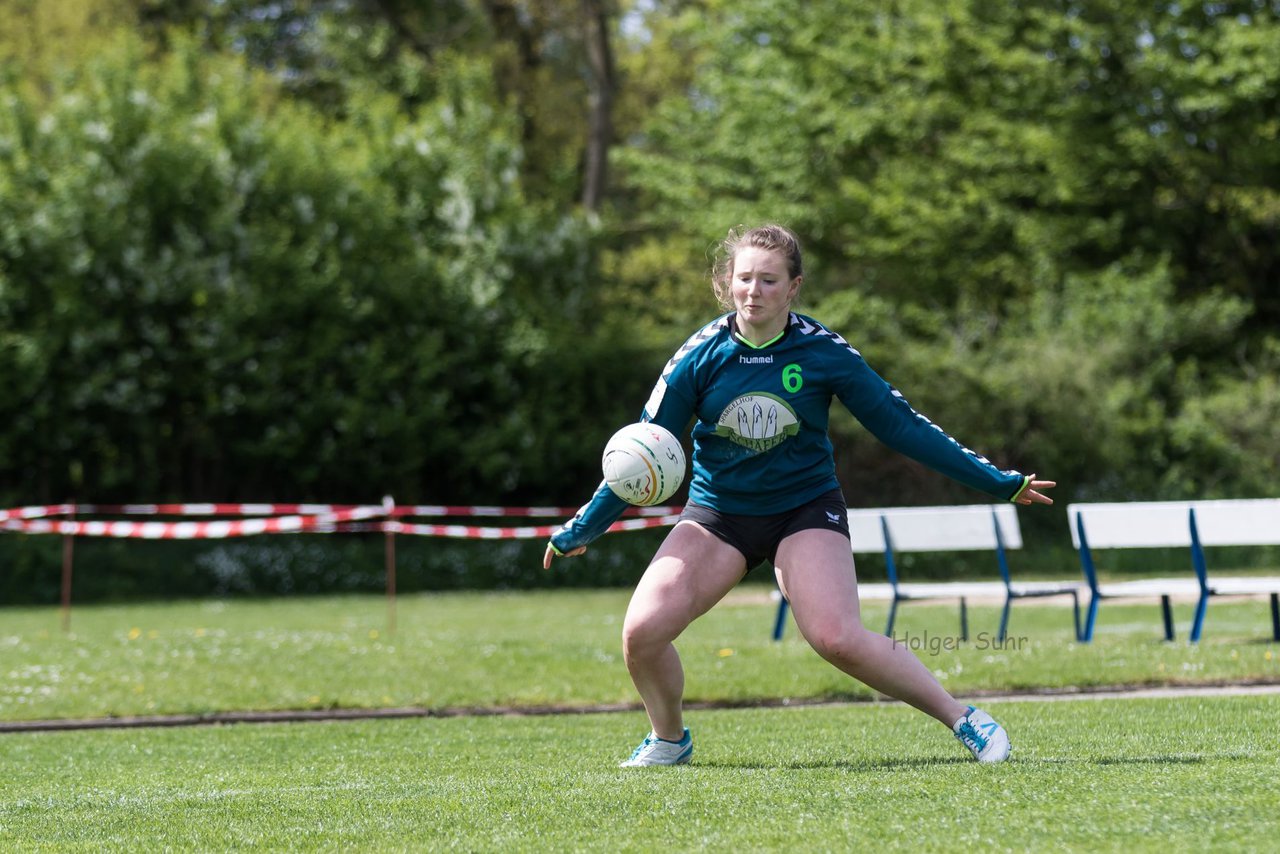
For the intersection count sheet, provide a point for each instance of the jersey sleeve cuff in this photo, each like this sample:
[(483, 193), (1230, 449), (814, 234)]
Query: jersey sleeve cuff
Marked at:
[(1026, 482)]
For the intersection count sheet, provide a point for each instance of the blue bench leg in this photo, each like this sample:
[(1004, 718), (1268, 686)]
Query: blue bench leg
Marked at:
[(781, 622), (1167, 610), (1004, 619), (1275, 616), (893, 612), (1198, 623), (1090, 618)]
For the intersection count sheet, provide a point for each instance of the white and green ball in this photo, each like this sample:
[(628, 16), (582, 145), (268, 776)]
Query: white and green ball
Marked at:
[(643, 464)]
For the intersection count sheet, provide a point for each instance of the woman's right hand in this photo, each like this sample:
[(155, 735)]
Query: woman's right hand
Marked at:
[(551, 555)]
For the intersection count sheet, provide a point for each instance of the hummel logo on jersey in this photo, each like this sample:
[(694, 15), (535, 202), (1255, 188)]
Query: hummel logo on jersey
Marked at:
[(834, 518), (755, 360)]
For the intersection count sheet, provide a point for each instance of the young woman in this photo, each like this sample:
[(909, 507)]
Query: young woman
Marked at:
[(759, 382)]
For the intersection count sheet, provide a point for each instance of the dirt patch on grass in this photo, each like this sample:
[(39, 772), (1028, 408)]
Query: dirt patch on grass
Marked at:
[(1111, 692)]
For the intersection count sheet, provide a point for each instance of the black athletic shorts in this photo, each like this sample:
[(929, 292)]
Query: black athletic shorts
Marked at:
[(757, 537)]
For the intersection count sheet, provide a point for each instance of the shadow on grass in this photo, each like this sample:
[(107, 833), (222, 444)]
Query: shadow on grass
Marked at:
[(1162, 759), (935, 762), (839, 764)]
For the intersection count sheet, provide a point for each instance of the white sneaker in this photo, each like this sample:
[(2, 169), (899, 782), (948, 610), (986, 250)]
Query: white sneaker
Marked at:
[(986, 739), (657, 751)]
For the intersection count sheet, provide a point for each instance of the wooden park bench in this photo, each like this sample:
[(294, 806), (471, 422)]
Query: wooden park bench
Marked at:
[(1163, 524), (973, 527)]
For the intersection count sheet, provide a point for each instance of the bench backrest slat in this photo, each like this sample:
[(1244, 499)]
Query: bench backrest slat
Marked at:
[(1153, 524), (1238, 523), (935, 529)]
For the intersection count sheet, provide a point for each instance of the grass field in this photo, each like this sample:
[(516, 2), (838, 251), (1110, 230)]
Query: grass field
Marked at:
[(562, 648), (1142, 775), (1134, 775)]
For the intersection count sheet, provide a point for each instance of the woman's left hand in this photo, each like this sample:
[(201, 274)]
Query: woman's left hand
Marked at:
[(1033, 495)]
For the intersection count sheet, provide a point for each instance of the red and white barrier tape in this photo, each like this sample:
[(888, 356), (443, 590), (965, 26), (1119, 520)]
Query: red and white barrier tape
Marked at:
[(36, 512), (298, 518), (209, 509), (215, 530), (427, 510), (546, 512), (471, 532)]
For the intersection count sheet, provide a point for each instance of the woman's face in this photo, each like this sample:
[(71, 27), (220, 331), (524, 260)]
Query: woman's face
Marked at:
[(761, 288)]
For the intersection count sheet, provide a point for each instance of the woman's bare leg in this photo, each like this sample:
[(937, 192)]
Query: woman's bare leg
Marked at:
[(816, 572), (691, 572)]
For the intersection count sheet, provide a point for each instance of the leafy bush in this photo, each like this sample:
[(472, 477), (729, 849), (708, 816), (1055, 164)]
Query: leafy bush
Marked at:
[(211, 292)]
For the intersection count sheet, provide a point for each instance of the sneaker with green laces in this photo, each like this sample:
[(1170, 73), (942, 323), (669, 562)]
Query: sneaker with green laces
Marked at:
[(986, 739), (659, 751)]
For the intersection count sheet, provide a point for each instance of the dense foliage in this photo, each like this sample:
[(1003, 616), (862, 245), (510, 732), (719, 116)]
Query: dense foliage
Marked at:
[(211, 291), (329, 250), (1055, 228)]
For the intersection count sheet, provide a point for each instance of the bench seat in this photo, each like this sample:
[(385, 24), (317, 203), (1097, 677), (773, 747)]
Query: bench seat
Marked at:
[(1163, 524), (974, 527)]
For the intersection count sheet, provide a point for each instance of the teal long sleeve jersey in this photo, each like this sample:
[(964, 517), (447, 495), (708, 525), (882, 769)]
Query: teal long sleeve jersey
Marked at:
[(760, 441)]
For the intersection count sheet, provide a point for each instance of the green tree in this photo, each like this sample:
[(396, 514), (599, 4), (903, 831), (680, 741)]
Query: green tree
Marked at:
[(551, 61), (207, 290), (963, 175)]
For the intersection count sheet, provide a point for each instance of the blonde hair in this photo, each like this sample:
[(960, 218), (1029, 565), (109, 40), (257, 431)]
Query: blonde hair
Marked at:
[(771, 238)]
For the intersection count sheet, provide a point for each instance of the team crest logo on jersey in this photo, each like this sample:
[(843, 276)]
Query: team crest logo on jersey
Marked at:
[(758, 421)]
